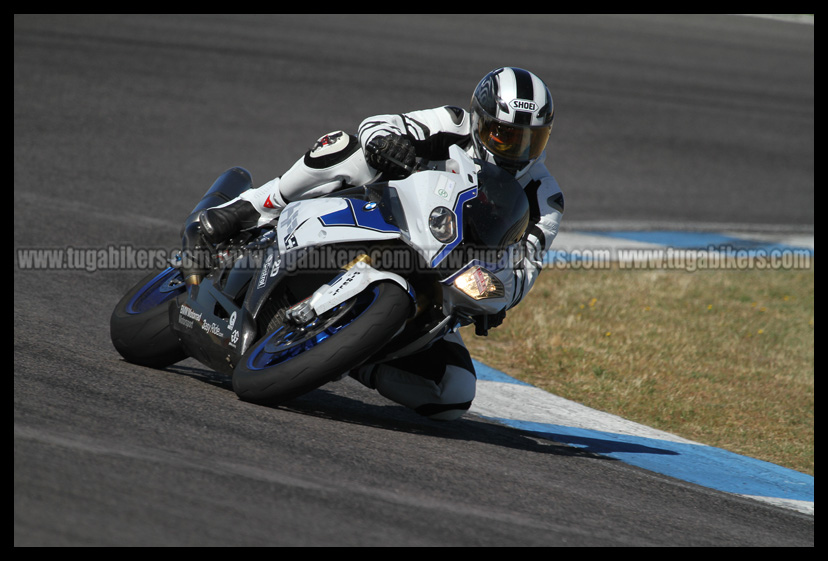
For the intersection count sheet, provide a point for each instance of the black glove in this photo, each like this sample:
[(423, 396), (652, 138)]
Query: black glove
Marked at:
[(482, 324), (393, 155)]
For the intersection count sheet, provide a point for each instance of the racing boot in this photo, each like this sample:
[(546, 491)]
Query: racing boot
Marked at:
[(196, 251), (222, 223)]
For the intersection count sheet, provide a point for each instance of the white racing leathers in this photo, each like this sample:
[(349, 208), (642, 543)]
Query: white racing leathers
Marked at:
[(438, 382)]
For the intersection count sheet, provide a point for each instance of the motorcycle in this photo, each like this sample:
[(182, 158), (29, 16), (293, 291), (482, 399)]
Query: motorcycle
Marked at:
[(365, 275)]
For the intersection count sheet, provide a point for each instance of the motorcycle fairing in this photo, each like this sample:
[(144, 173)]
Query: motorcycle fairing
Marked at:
[(462, 198), (423, 192), (359, 214), (212, 328), (216, 323), (331, 220), (334, 219)]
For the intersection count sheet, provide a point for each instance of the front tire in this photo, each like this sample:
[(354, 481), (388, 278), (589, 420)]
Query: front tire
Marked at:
[(284, 365), (140, 323)]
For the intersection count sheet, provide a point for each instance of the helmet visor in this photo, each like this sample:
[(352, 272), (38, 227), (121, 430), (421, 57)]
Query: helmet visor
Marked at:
[(512, 142)]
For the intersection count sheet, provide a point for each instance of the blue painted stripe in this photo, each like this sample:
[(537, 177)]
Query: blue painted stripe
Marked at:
[(360, 214), (489, 374), (704, 465), (722, 244), (697, 240), (687, 240)]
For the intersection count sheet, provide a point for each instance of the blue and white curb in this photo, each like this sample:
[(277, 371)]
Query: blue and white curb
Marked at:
[(508, 401)]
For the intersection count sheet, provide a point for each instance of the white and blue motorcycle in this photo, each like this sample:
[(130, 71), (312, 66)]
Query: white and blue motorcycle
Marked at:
[(365, 275)]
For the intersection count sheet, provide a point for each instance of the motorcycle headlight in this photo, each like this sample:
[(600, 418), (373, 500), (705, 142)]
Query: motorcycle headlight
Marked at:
[(443, 224), (478, 283)]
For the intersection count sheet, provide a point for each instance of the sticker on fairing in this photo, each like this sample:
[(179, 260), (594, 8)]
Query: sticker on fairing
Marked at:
[(444, 188)]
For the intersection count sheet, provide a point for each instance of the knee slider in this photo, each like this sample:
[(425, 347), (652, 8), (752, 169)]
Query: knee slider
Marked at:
[(332, 149)]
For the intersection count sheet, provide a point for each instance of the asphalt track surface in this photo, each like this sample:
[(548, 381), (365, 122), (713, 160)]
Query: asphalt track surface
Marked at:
[(122, 122)]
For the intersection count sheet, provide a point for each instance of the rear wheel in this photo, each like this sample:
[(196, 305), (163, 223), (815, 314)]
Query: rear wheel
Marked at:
[(292, 360), (140, 323)]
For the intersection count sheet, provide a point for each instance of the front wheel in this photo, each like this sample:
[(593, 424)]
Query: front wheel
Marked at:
[(140, 323), (291, 361)]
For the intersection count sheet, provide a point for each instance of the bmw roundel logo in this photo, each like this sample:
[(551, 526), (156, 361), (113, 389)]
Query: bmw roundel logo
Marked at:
[(370, 206)]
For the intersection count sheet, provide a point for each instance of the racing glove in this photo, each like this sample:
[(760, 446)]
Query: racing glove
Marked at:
[(483, 323), (392, 155)]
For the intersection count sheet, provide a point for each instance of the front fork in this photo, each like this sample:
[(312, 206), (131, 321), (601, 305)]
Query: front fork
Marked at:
[(355, 277)]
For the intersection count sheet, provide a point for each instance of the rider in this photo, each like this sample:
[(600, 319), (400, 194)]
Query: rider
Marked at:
[(508, 124)]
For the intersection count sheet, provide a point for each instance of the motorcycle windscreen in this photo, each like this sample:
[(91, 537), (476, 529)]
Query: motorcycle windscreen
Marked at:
[(499, 215)]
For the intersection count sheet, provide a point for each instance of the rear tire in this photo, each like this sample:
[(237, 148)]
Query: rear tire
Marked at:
[(280, 366), (140, 323)]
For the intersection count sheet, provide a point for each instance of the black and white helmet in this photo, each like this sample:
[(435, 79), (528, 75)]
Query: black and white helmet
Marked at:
[(511, 118)]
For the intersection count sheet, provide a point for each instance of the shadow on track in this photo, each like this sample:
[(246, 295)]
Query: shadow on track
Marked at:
[(324, 403)]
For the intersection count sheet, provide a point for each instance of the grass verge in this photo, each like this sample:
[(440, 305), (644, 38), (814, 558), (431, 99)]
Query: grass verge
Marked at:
[(722, 357)]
